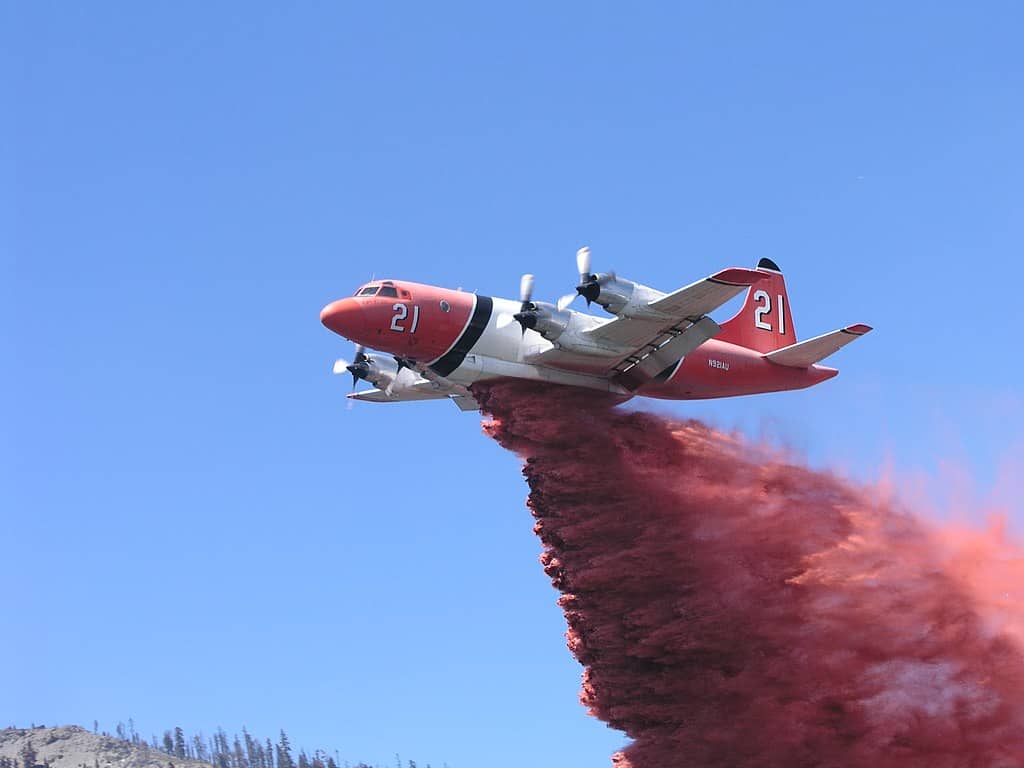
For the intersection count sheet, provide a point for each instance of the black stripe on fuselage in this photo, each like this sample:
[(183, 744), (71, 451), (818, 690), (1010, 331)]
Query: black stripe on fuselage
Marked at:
[(453, 358)]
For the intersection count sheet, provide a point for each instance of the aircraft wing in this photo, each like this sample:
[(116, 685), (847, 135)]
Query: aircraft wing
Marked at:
[(709, 294), (465, 402), (643, 345), (400, 396)]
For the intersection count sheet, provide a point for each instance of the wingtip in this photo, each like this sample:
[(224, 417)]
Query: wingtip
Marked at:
[(859, 329), (737, 276)]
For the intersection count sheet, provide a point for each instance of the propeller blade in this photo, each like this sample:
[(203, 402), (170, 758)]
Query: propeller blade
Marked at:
[(527, 320), (397, 380), (360, 370), (566, 300), (360, 353), (583, 262), (504, 320), (340, 365), (526, 288)]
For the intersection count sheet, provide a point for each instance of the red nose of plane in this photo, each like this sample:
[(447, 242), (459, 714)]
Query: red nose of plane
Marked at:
[(344, 317)]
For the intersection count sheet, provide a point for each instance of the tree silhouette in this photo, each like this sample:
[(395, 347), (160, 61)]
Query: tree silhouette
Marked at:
[(284, 752), (28, 755), (179, 743)]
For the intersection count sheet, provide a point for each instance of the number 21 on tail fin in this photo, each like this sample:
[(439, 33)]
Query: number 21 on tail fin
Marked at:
[(765, 322)]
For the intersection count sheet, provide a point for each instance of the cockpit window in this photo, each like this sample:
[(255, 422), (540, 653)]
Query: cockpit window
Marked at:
[(388, 290), (369, 290)]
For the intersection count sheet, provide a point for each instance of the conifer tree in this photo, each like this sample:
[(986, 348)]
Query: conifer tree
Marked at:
[(239, 758), (252, 750), (28, 755), (284, 752), (179, 743), (221, 752), (199, 747)]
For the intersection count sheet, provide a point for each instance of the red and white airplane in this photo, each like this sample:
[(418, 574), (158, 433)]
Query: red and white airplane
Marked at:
[(437, 342)]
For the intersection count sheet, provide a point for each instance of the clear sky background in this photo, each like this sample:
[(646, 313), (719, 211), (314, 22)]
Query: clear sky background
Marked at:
[(196, 532)]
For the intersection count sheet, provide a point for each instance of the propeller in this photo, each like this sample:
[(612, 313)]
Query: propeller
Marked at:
[(401, 381), (583, 262), (525, 290), (359, 367), (590, 284), (523, 316), (401, 362)]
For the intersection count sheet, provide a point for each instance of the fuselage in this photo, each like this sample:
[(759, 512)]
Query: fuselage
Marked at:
[(459, 337)]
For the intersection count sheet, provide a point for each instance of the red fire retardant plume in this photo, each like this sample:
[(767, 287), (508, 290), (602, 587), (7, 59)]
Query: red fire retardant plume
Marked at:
[(731, 608)]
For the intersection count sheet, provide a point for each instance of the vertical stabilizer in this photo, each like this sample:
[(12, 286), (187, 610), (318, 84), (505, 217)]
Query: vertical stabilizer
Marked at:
[(765, 322)]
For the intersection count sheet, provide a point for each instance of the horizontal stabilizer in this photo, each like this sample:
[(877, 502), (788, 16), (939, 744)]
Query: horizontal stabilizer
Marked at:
[(804, 354)]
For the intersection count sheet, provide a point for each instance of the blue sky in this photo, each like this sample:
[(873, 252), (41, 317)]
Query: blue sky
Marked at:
[(195, 530)]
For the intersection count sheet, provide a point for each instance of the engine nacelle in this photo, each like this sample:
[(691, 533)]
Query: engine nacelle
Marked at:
[(609, 291), (546, 319), (564, 328), (379, 370), (384, 372), (619, 296)]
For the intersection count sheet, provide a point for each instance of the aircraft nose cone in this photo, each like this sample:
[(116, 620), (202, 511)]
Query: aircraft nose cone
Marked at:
[(344, 317)]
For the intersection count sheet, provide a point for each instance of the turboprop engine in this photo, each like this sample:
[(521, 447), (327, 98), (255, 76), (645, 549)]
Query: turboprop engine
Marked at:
[(546, 319), (382, 371), (616, 295), (564, 328)]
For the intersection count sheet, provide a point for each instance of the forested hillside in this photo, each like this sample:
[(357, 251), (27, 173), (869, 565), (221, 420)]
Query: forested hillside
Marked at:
[(71, 746)]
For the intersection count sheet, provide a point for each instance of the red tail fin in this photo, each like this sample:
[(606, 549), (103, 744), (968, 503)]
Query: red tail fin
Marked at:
[(765, 323)]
